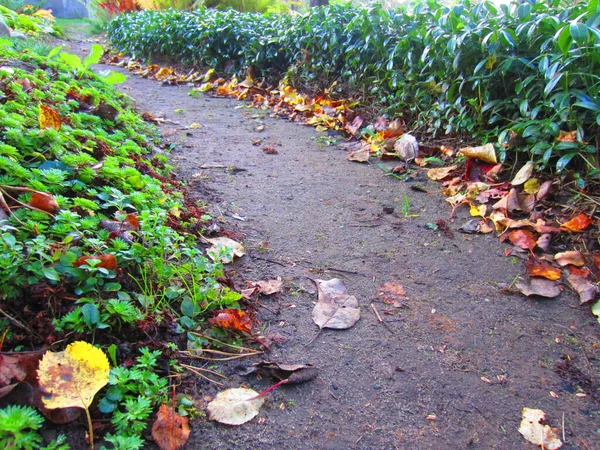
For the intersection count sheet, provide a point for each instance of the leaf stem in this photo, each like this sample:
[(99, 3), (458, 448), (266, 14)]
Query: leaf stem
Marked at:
[(90, 428)]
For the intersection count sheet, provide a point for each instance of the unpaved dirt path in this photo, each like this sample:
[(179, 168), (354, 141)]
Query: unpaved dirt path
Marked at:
[(451, 369)]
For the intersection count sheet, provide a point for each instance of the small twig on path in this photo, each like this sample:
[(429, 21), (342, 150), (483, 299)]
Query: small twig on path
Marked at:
[(273, 261), (17, 323), (213, 166), (376, 313), (198, 371)]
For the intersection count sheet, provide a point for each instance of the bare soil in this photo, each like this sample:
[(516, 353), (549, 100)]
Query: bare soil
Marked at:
[(452, 368)]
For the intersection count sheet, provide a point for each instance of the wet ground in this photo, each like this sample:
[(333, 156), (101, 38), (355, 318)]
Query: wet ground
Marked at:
[(452, 367)]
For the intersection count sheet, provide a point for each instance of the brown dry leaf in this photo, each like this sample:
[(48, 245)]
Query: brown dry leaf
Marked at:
[(293, 373), (578, 223), (567, 136), (523, 174), (73, 377), (571, 257), (543, 241), (361, 155), (170, 430), (227, 244), (545, 189), (536, 269), (485, 153), (335, 308), (17, 367), (354, 127), (441, 173), (235, 406), (537, 433), (232, 319), (107, 261), (586, 289), (524, 239), (269, 287), (539, 286), (44, 201), (596, 259), (392, 294), (49, 118)]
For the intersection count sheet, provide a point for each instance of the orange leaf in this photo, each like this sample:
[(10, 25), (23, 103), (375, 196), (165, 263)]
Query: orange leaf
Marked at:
[(524, 239), (392, 293), (233, 319), (107, 261), (535, 269), (170, 430), (582, 272), (44, 201), (132, 220), (49, 118), (579, 223)]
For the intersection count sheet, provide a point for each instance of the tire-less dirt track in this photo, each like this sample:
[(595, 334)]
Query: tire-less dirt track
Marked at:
[(450, 369)]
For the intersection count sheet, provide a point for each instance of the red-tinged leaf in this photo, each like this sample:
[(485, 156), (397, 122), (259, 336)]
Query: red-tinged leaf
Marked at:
[(576, 224), (579, 271), (543, 241), (133, 221), (536, 269), (20, 366), (354, 127), (44, 201), (394, 129), (232, 319), (571, 257), (49, 118), (170, 430), (107, 261), (543, 228), (392, 293), (586, 290), (524, 239), (596, 258)]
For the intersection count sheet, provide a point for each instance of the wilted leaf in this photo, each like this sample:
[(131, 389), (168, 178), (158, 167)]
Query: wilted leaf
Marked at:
[(163, 73), (586, 290), (232, 319), (361, 155), (354, 127), (536, 269), (485, 153), (523, 174), (107, 261), (269, 287), (73, 377), (571, 257), (335, 308), (524, 239), (226, 243), (17, 367), (567, 136), (539, 286), (293, 373), (44, 201), (441, 173), (537, 433), (392, 294), (407, 147), (49, 118), (579, 223), (235, 406), (170, 430)]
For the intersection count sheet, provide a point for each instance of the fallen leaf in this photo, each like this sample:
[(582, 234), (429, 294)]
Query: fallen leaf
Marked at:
[(17, 367), (359, 155), (596, 259), (293, 373), (545, 190), (407, 147), (485, 153), (567, 136), (44, 201), (478, 211), (523, 174), (224, 244), (537, 433), (441, 173), (335, 308), (269, 287), (107, 261), (539, 286), (586, 290), (73, 377), (581, 271), (235, 406), (524, 239), (170, 430), (354, 127), (392, 294), (163, 73), (536, 269), (49, 118), (532, 186), (232, 319), (579, 223), (571, 257)]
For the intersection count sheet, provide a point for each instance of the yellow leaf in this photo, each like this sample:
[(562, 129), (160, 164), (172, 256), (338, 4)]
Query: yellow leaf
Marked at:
[(491, 61), (163, 73), (532, 186), (49, 118), (478, 211), (485, 153), (73, 377)]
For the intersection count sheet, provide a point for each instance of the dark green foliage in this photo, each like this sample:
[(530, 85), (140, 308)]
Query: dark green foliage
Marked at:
[(527, 69)]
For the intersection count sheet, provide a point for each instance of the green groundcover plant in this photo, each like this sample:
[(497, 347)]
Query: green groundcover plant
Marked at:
[(515, 74)]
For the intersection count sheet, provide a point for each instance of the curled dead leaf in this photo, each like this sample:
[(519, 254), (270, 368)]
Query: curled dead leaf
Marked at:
[(586, 290), (335, 308), (539, 286), (232, 319), (578, 223), (441, 173), (361, 155), (485, 153), (570, 257), (534, 431), (44, 201), (523, 174), (170, 431)]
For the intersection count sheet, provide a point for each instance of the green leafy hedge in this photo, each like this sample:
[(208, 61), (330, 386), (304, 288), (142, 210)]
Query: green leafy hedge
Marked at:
[(528, 69)]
